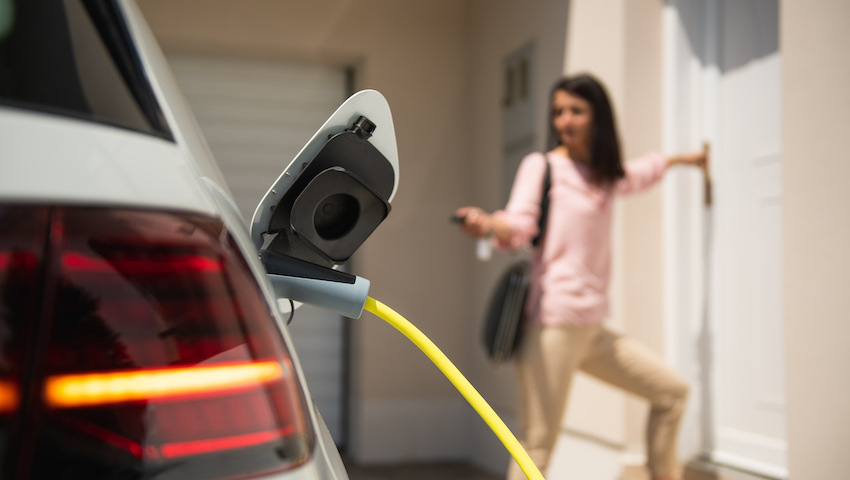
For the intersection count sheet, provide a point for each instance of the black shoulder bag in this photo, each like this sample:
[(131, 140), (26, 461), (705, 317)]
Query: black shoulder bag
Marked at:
[(502, 330)]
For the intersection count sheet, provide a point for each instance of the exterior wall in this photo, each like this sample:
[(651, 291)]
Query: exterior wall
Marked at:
[(816, 118), (496, 30), (620, 43), (416, 54), (596, 45), (641, 247)]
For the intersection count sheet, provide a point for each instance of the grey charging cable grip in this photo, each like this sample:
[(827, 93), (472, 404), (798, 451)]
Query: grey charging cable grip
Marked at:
[(324, 287)]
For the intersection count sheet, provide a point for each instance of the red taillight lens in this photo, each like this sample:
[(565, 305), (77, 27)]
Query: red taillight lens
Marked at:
[(161, 357), (23, 233)]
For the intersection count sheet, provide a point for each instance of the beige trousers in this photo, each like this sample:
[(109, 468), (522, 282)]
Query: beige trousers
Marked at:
[(545, 364)]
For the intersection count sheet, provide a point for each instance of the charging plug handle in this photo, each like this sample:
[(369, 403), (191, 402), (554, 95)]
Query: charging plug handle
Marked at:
[(316, 285)]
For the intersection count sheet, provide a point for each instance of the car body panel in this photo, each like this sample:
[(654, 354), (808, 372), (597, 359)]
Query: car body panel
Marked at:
[(49, 158)]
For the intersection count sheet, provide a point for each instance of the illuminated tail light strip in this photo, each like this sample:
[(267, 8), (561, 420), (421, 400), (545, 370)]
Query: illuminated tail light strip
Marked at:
[(182, 449), (81, 390), (172, 450), (9, 396)]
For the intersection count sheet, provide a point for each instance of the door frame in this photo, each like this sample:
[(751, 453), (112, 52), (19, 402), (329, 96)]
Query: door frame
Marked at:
[(689, 86)]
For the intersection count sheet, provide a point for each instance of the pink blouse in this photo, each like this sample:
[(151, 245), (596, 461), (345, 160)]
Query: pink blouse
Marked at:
[(571, 272)]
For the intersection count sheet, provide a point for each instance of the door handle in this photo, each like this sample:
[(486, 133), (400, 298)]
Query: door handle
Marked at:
[(706, 171)]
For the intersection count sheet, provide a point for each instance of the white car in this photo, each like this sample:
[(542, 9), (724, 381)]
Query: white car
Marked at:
[(139, 331)]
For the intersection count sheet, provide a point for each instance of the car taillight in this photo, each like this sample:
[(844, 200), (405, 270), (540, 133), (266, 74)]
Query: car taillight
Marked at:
[(22, 241), (156, 355)]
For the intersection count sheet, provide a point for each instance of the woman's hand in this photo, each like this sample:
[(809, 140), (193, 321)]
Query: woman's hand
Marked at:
[(696, 159), (474, 222)]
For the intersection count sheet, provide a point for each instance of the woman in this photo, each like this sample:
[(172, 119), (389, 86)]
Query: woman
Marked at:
[(568, 295)]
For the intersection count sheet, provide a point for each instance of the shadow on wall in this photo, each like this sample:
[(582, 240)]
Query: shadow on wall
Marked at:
[(758, 19)]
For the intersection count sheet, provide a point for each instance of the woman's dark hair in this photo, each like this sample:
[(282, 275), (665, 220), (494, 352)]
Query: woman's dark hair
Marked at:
[(606, 164)]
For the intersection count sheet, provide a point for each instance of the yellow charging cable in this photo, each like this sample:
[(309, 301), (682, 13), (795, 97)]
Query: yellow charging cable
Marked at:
[(460, 382)]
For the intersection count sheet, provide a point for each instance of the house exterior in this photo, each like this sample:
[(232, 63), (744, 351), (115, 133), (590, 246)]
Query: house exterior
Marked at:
[(745, 296)]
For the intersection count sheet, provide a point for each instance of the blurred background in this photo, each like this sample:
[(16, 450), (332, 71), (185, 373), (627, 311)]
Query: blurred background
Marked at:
[(745, 295)]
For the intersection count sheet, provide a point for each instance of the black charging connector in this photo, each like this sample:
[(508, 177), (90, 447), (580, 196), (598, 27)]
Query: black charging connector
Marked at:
[(336, 201), (279, 264)]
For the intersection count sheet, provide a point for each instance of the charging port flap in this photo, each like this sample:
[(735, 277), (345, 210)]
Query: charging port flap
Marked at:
[(338, 188)]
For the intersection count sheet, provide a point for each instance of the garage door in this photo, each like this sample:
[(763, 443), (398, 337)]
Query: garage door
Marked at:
[(256, 117)]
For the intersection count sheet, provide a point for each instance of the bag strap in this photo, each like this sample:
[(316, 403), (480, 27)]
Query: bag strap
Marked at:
[(544, 205)]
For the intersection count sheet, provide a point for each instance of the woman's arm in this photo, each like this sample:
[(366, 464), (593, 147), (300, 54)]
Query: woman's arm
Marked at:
[(647, 170), (517, 223), (696, 159)]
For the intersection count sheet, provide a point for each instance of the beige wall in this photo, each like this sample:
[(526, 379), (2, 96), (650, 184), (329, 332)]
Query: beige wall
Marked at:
[(640, 245), (620, 42), (814, 38), (596, 409), (498, 29)]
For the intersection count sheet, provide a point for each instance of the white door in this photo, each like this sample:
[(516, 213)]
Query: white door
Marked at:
[(256, 116), (732, 75)]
